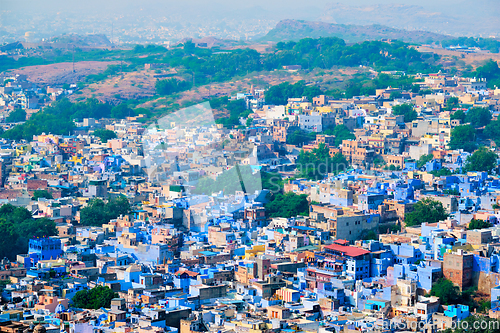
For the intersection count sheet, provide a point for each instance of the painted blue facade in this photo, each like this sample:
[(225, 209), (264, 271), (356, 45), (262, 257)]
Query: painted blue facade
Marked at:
[(460, 311), (45, 248)]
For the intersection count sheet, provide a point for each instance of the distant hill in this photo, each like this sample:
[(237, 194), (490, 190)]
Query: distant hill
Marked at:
[(463, 18), (287, 30)]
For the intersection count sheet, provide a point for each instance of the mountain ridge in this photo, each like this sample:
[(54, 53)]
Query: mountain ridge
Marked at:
[(292, 30)]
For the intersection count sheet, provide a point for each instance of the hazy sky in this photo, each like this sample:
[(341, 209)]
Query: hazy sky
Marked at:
[(453, 17), (267, 4)]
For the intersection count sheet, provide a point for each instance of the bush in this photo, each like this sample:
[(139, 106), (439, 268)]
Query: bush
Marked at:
[(95, 298), (405, 110), (97, 213), (482, 159), (426, 210)]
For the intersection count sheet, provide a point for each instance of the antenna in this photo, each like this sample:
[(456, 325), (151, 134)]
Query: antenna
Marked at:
[(73, 58)]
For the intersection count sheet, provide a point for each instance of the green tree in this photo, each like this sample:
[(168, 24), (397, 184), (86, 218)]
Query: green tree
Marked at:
[(459, 114), (369, 235), (452, 103), (171, 86), (492, 131), (122, 111), (58, 118), (3, 284), (446, 291), (95, 298), (463, 137), (489, 71), (287, 205), (482, 159), (272, 181), (105, 135), (300, 137), (97, 212), (279, 94), (479, 224), (41, 194), (424, 159), (317, 164), (478, 117), (17, 226), (16, 116), (426, 210), (249, 122), (227, 112), (341, 132), (395, 95), (405, 110)]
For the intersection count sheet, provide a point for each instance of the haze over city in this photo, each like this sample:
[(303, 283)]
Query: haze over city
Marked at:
[(255, 166)]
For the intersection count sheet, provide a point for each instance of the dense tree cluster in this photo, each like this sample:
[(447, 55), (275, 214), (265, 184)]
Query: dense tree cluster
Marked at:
[(16, 116), (171, 86), (364, 85), (452, 103), (318, 163), (479, 224), (122, 111), (95, 298), (482, 159), (287, 205), (442, 172), (463, 137), (478, 117), (332, 51), (450, 294), (271, 181), (42, 194), (58, 118), (341, 132), (489, 71), (492, 131), (300, 137), (105, 134), (405, 110), (459, 114), (426, 210), (228, 112), (279, 94), (212, 65), (17, 226), (424, 159), (97, 212)]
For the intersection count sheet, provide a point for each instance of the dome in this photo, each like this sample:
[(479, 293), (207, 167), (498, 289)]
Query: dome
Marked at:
[(60, 308)]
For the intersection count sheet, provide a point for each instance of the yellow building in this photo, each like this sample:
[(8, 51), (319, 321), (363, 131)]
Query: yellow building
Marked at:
[(255, 251)]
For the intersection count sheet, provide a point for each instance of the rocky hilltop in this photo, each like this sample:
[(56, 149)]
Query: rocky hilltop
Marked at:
[(297, 29)]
